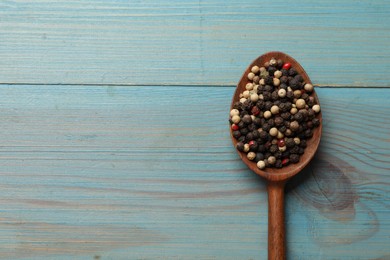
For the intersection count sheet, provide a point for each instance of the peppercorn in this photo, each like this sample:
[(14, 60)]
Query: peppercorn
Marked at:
[(236, 134), (294, 150), (280, 63), (285, 161), (268, 80), (273, 148), (252, 127), (294, 158), (316, 108), (235, 127), (244, 131), (261, 148), (273, 131), (298, 78), (298, 117), (271, 122), (268, 88), (259, 157), (278, 163), (256, 134), (264, 134), (287, 66), (240, 146), (303, 144), (289, 142), (278, 121), (308, 133), (286, 115), (294, 84), (260, 164), (236, 119), (266, 96), (308, 87), (290, 94), (271, 70), (294, 126), (271, 160), (282, 129), (274, 110), (255, 69), (292, 72), (253, 145), (316, 122), (300, 103), (281, 142), (283, 80), (251, 156), (277, 74), (247, 119)]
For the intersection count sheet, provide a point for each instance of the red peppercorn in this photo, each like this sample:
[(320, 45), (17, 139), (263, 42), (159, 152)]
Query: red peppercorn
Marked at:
[(285, 161), (255, 111), (281, 143), (287, 66), (235, 127)]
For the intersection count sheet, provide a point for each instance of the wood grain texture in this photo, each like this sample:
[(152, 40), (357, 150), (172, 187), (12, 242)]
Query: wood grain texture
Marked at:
[(339, 43), (145, 173)]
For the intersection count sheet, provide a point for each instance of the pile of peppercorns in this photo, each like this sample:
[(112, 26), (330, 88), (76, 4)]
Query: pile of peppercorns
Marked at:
[(275, 115)]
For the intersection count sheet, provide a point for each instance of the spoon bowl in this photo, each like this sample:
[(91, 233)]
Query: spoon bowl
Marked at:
[(277, 177)]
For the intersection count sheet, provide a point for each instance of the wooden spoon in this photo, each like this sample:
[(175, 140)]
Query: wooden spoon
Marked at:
[(277, 178)]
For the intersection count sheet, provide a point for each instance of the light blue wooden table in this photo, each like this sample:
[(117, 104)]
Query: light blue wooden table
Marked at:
[(115, 141)]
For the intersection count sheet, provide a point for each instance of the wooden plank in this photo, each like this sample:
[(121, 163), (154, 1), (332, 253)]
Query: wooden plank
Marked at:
[(146, 173), (340, 43)]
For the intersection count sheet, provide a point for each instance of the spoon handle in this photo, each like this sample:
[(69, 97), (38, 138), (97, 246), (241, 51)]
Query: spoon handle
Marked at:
[(276, 229)]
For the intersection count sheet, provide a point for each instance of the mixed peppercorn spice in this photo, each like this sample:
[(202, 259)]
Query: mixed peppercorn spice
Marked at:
[(275, 115)]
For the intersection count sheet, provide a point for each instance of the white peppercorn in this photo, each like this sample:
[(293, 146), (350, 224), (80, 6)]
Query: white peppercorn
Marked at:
[(246, 148), (316, 108), (234, 112), (251, 156), (280, 135), (276, 82), (267, 114), (271, 160), (301, 103), (254, 97), (297, 93), (249, 86), (262, 82), (261, 165), (277, 74), (275, 109), (246, 94), (297, 140), (251, 75), (255, 69), (293, 110), (273, 131), (308, 87), (282, 148), (282, 93), (236, 119), (242, 100)]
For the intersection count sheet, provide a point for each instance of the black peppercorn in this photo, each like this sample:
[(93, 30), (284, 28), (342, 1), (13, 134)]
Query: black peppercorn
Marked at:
[(290, 95), (259, 157), (289, 142), (253, 145), (244, 131), (266, 96), (316, 122), (298, 117), (303, 144), (260, 104), (256, 134), (240, 146), (236, 134), (257, 122), (268, 88), (280, 63), (241, 139), (268, 105), (261, 148), (275, 95), (298, 78), (278, 163), (269, 80), (271, 70), (282, 129), (264, 135), (249, 136), (278, 121), (241, 125), (308, 133), (252, 127), (247, 119), (278, 154), (273, 148), (292, 72), (294, 158), (294, 84), (284, 72), (266, 127), (286, 115), (294, 149)]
